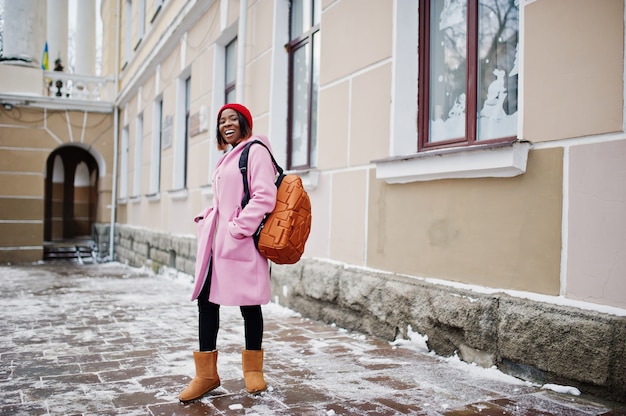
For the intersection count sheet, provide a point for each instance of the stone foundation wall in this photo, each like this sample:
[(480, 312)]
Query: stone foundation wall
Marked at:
[(101, 235), (141, 247), (540, 342)]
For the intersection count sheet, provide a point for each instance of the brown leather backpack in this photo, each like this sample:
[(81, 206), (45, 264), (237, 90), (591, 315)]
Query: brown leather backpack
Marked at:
[(282, 234)]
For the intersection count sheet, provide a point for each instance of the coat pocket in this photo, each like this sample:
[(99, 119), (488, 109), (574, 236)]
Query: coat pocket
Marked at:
[(237, 248), (234, 247)]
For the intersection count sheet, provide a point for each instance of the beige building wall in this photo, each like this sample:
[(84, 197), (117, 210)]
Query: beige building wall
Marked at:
[(596, 223), (574, 77), (27, 138), (506, 233), (493, 232), (190, 54)]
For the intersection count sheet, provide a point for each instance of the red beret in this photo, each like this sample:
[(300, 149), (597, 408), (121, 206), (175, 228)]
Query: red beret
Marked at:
[(238, 108)]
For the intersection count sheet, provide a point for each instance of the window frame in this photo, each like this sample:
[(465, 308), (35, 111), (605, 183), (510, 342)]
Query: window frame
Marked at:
[(218, 97), (123, 169), (141, 22), (128, 30), (295, 43), (187, 84), (230, 87), (136, 193), (405, 164), (157, 143), (471, 79), (158, 5), (181, 135)]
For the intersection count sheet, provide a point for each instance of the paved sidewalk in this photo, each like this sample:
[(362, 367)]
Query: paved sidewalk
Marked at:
[(113, 340)]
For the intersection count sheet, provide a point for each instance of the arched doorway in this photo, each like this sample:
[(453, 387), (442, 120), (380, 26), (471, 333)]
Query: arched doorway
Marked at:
[(71, 195)]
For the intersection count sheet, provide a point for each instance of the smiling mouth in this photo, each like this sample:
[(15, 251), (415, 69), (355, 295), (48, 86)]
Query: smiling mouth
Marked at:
[(229, 132)]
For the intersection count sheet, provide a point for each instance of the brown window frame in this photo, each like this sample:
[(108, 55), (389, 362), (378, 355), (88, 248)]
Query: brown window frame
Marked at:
[(471, 73), (303, 40)]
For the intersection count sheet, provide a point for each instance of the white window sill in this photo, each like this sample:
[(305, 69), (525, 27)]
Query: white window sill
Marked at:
[(310, 178), (155, 197), (178, 194), (207, 191), (502, 160)]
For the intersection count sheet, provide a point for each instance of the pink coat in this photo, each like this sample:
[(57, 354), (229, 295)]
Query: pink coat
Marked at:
[(240, 275)]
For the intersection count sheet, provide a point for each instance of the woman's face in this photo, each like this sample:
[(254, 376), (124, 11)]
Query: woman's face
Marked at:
[(229, 127)]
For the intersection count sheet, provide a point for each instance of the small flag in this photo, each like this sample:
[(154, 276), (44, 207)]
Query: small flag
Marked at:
[(44, 61)]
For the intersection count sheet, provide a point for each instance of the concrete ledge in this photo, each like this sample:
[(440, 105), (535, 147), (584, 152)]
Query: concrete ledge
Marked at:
[(540, 342)]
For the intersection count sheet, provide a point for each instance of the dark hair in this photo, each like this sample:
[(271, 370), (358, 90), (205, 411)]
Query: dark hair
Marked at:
[(244, 129)]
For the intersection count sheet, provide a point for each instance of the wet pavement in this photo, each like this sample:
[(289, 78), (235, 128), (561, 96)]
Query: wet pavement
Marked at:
[(113, 340)]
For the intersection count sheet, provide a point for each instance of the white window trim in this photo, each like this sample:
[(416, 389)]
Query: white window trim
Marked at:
[(138, 155), (217, 98), (405, 164), (179, 133), (404, 78), (128, 29), (155, 159), (501, 160), (277, 126), (141, 20), (123, 185), (310, 178)]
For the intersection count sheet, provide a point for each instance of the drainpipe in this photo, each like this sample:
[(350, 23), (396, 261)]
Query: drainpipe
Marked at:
[(115, 137), (241, 51)]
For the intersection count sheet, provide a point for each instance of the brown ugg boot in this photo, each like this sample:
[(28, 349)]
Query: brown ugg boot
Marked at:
[(252, 363), (206, 378)]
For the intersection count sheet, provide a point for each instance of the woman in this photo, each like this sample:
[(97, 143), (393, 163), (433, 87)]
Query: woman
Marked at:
[(229, 269)]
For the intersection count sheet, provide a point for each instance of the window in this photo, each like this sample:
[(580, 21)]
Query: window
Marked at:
[(468, 72), (141, 21), (158, 5), (123, 174), (230, 72), (128, 29), (157, 138), (138, 156), (187, 129), (181, 145), (304, 52)]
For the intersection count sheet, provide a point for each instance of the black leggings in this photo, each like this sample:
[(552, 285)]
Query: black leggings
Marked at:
[(209, 322)]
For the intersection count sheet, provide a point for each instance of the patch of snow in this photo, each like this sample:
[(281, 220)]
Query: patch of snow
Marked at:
[(280, 311), (491, 373), (416, 341), (562, 389), (379, 361)]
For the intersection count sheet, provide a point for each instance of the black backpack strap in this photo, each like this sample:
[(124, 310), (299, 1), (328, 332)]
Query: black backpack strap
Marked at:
[(243, 168)]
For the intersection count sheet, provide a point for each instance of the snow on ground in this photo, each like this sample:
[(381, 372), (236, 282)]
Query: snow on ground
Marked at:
[(416, 341), (169, 296)]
